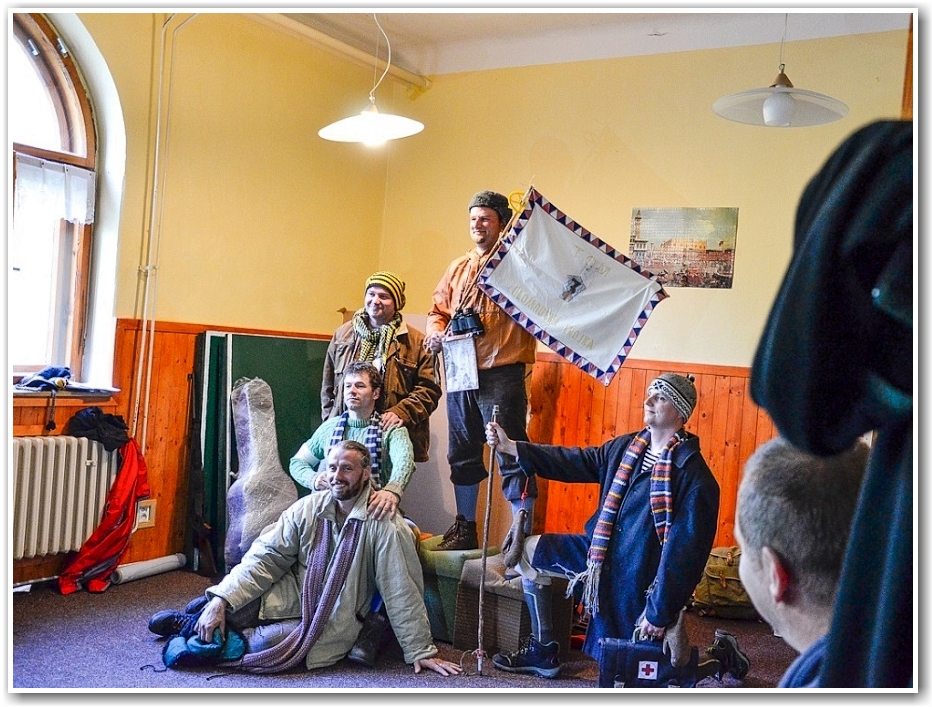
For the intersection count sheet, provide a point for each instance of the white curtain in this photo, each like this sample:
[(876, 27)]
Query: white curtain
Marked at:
[(55, 188)]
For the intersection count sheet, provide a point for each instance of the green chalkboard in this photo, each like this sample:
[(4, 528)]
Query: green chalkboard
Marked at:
[(292, 367)]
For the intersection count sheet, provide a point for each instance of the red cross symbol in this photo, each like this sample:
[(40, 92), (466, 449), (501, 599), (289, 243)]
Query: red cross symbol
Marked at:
[(647, 669)]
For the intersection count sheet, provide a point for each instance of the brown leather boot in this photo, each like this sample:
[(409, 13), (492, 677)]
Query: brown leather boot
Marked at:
[(461, 535)]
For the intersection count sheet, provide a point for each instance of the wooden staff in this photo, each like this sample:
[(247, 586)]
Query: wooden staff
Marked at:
[(480, 653)]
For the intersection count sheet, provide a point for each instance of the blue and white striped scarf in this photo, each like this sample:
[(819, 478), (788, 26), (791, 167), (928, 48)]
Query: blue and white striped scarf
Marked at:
[(373, 443)]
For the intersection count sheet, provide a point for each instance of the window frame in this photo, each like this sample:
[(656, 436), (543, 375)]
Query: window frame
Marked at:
[(79, 138)]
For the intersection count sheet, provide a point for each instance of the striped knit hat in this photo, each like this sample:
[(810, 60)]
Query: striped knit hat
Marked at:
[(391, 282), (679, 389)]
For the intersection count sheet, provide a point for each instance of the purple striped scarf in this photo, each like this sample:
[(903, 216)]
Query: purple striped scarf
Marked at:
[(316, 603)]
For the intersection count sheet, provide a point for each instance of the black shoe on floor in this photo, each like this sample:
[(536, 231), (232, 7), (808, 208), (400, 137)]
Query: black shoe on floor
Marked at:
[(533, 657), (173, 623), (366, 648), (725, 649), (461, 535)]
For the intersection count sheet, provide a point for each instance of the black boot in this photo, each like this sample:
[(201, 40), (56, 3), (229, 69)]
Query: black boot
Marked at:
[(731, 659), (534, 657), (173, 623), (461, 535), (366, 648)]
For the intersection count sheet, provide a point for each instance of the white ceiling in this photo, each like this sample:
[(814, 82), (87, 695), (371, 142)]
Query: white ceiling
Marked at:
[(445, 41)]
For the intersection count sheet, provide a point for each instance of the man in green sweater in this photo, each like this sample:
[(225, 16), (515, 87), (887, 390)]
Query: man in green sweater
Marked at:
[(391, 450)]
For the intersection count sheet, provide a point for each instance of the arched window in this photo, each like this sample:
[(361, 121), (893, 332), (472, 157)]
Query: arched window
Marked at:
[(51, 126)]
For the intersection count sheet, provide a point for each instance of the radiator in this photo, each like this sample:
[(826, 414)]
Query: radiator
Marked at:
[(60, 487)]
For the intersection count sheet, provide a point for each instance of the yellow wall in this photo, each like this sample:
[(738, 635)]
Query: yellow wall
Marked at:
[(264, 224), (267, 226), (600, 138)]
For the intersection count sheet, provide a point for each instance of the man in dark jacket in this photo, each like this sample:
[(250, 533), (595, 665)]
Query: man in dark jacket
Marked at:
[(643, 551)]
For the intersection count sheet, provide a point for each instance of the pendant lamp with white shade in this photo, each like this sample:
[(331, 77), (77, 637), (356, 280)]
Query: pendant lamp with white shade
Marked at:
[(782, 105), (371, 127)]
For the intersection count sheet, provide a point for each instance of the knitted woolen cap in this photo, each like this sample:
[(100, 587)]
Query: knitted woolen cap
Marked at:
[(493, 200), (391, 282), (679, 389)]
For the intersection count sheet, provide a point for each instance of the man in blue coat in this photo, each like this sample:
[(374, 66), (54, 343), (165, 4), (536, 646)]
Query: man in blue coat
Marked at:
[(643, 551)]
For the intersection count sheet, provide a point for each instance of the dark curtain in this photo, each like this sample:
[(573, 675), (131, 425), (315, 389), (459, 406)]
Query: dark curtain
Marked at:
[(836, 361)]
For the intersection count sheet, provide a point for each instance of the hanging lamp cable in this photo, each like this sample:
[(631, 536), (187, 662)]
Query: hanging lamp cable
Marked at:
[(388, 61), (786, 18)]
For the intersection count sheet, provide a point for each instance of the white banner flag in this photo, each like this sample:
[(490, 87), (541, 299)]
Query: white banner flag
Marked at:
[(572, 291)]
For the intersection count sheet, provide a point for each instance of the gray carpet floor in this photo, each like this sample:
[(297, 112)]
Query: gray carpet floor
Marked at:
[(100, 642)]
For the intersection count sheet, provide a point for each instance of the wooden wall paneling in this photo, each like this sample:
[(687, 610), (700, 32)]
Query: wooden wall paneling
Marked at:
[(553, 385), (731, 458), (586, 408), (543, 395), (568, 409), (634, 404), (608, 428), (124, 362), (581, 498), (578, 503), (765, 426), (545, 386), (715, 453), (702, 415), (750, 415), (621, 385), (167, 449)]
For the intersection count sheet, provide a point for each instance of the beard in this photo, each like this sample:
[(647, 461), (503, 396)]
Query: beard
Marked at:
[(347, 492)]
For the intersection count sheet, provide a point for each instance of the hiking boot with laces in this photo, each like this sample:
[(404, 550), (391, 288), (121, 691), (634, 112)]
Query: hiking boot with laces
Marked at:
[(460, 536), (173, 623), (533, 657), (732, 660)]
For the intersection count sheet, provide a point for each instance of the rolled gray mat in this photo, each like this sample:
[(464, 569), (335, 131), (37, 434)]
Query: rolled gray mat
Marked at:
[(147, 568)]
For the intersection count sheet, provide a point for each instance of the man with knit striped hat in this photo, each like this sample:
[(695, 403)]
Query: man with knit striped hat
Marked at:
[(378, 334), (644, 549)]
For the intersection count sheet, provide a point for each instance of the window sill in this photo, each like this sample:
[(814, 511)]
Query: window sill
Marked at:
[(63, 398), (31, 409)]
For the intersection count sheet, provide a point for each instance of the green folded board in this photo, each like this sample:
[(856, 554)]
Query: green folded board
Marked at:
[(292, 367)]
